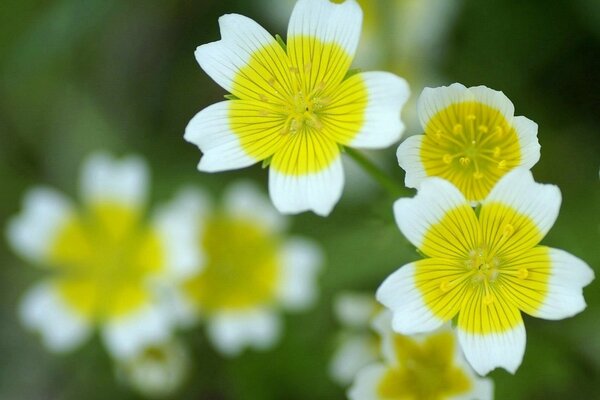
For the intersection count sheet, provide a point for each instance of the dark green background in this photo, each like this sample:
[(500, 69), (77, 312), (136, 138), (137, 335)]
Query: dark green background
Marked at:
[(81, 75)]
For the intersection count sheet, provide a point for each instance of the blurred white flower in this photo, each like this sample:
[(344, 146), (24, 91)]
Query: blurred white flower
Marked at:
[(418, 367), (157, 370), (106, 265), (357, 345), (251, 271)]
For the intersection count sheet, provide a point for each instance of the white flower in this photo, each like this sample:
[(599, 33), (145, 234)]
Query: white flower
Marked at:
[(418, 367), (357, 345), (472, 139), (484, 268), (295, 107), (157, 370), (250, 272), (104, 262)]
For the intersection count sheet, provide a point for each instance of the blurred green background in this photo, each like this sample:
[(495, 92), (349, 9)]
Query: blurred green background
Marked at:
[(82, 75)]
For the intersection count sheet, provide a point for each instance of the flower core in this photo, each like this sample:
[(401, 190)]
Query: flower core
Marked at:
[(472, 145), (103, 259), (242, 266)]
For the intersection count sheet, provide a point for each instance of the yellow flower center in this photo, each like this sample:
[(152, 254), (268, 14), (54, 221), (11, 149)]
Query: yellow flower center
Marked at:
[(472, 145), (425, 371), (242, 267), (297, 107), (103, 259), (483, 264)]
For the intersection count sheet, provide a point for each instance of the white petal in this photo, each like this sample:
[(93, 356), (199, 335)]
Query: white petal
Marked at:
[(178, 225), (433, 100), (127, 335), (382, 324), (387, 94), (410, 314), (240, 38), (483, 389), (210, 131), (352, 354), (105, 178), (494, 99), (301, 260), (434, 199), (366, 383), (246, 201), (540, 202), (327, 21), (318, 192), (231, 332), (45, 212), (354, 310), (489, 351), (530, 147), (565, 295), (409, 158), (61, 328)]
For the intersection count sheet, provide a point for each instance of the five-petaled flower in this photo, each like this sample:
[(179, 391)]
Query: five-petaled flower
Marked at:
[(251, 271), (107, 266), (472, 139), (426, 366), (295, 107), (484, 266)]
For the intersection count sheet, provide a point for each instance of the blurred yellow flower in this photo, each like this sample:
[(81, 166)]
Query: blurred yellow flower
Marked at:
[(472, 139), (484, 267), (294, 105), (105, 261), (250, 270), (419, 367)]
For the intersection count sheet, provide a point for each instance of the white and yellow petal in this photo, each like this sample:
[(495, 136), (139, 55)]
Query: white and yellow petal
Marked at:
[(538, 202), (246, 60), (105, 179), (323, 32), (232, 331), (552, 287), (43, 310), (564, 297), (211, 130), (386, 94), (411, 314), (433, 100), (126, 335), (491, 335), (438, 220), (301, 260), (243, 200), (294, 189), (45, 213)]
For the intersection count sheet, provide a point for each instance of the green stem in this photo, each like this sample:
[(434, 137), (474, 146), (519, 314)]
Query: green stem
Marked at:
[(387, 182)]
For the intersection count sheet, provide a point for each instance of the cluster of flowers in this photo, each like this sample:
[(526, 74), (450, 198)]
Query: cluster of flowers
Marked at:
[(137, 279), (379, 363), (478, 216)]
